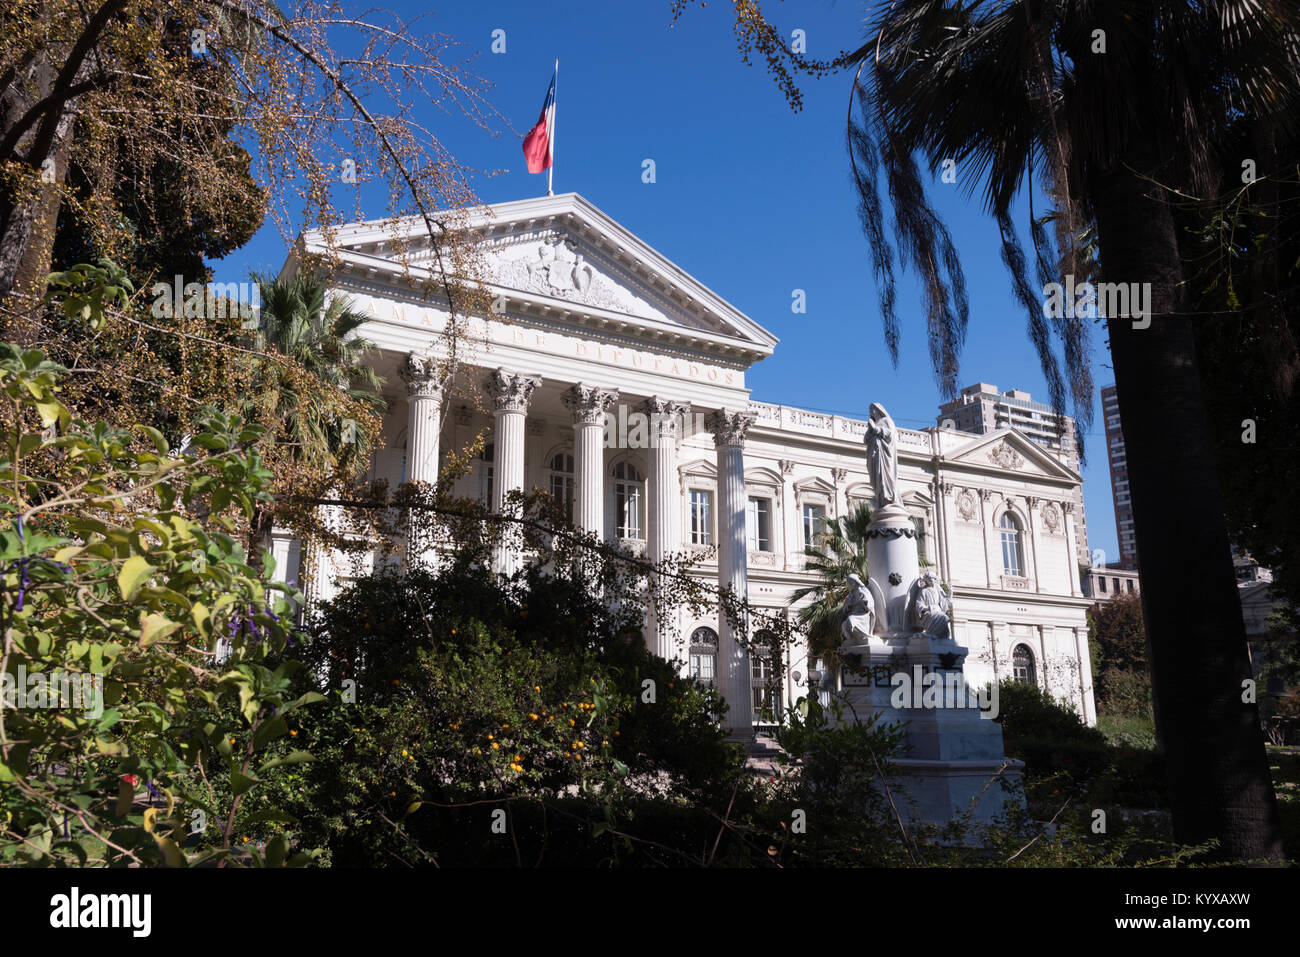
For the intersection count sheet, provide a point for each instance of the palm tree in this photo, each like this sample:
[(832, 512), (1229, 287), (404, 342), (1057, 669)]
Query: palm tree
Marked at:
[(841, 551), (318, 333), (1121, 111)]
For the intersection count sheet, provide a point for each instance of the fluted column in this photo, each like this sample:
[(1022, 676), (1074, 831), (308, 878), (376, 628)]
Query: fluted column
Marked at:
[(728, 428), (424, 385), (663, 536), (510, 393), (588, 405)]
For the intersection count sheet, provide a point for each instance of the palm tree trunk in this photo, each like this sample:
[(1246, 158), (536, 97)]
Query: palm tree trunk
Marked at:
[(259, 535), (1219, 784)]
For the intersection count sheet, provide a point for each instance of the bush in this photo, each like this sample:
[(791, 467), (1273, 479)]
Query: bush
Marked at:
[(460, 691)]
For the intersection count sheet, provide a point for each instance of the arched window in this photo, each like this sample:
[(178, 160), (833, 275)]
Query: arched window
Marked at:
[(1022, 665), (628, 493), (704, 654), (1013, 554), (485, 474), (562, 478), (764, 680)]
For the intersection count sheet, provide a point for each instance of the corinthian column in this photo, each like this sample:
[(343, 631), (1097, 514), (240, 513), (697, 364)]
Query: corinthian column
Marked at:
[(510, 393), (588, 405), (424, 385), (663, 537), (728, 428)]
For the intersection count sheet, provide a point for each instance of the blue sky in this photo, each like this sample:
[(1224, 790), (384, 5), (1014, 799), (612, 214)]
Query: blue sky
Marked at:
[(750, 198)]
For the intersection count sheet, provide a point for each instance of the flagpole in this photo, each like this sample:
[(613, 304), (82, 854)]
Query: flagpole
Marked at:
[(555, 109)]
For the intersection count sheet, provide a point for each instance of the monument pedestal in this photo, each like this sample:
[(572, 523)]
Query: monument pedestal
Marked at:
[(901, 663)]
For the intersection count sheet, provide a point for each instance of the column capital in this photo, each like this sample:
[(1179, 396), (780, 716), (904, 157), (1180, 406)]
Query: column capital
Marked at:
[(729, 426), (588, 403), (664, 415), (511, 391), (839, 475), (422, 376)]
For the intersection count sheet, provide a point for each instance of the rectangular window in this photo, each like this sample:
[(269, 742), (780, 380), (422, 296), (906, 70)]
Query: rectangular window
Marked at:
[(763, 686), (562, 489), (702, 666), (813, 517), (627, 509), (758, 524), (701, 517)]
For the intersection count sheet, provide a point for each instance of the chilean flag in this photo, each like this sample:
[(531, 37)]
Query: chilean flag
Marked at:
[(539, 144)]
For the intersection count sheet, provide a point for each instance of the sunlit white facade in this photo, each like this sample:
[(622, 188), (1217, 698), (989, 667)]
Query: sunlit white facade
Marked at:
[(609, 376)]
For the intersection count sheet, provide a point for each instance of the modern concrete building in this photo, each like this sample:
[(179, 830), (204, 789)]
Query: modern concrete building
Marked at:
[(1119, 479)]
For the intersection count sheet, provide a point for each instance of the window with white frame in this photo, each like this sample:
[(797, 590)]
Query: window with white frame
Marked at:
[(758, 524), (562, 478), (629, 490), (704, 654), (701, 516), (1013, 555), (814, 517)]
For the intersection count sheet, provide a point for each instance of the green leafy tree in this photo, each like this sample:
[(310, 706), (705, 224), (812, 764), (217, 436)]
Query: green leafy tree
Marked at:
[(122, 578)]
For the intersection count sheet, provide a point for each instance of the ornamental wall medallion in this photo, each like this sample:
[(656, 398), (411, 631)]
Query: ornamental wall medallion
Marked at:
[(1007, 457), (1052, 518), (966, 505)]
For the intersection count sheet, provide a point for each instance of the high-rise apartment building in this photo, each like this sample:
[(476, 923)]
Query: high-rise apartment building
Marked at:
[(981, 408), (1119, 479)]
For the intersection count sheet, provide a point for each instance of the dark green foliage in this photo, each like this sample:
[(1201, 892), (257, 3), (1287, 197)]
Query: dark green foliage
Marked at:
[(1118, 643)]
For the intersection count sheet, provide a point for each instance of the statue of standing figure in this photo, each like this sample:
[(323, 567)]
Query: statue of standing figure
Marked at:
[(928, 606), (882, 455), (859, 613)]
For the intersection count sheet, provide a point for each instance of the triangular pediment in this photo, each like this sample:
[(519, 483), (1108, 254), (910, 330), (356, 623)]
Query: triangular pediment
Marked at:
[(1010, 450), (702, 468), (814, 484), (560, 256)]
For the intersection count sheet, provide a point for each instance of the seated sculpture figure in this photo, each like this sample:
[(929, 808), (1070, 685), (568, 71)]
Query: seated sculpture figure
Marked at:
[(928, 606), (859, 612)]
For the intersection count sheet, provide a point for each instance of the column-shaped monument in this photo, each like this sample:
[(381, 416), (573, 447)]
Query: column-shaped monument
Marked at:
[(588, 405), (425, 382), (900, 660), (729, 428), (510, 393), (663, 536)]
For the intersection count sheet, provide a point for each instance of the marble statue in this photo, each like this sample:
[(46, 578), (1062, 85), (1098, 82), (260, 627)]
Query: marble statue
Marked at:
[(859, 613), (928, 606), (882, 455)]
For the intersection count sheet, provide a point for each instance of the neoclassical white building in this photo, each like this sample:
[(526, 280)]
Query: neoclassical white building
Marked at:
[(591, 326)]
